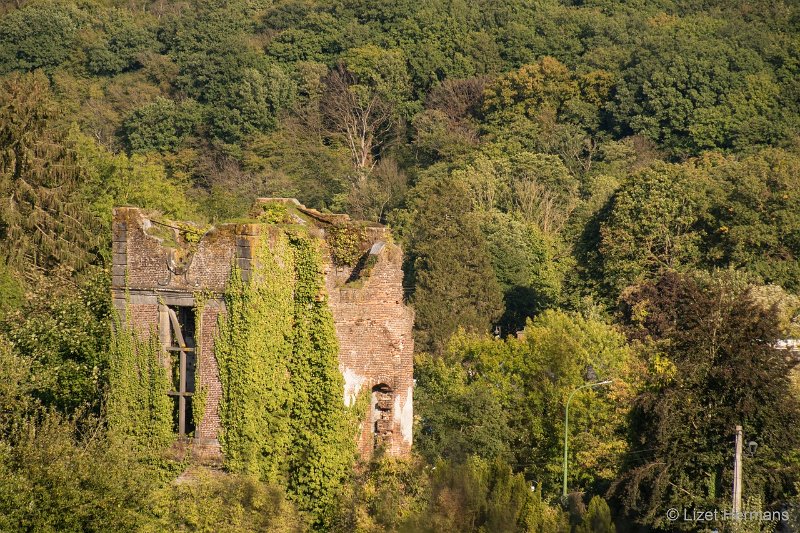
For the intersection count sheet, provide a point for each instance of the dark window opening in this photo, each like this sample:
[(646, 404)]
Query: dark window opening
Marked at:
[(183, 361), (382, 403), (189, 420)]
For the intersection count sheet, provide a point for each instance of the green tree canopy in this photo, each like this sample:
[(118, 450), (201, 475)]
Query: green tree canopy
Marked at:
[(451, 268), (655, 221), (713, 365), (757, 220), (40, 35), (525, 383), (689, 88)]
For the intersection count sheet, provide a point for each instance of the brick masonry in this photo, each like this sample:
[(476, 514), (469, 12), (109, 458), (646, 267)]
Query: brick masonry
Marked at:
[(376, 347), (373, 325)]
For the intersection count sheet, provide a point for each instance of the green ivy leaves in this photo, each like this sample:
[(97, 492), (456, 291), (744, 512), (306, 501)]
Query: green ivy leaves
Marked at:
[(282, 411)]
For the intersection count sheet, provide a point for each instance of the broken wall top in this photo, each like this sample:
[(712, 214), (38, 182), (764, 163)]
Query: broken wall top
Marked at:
[(152, 252)]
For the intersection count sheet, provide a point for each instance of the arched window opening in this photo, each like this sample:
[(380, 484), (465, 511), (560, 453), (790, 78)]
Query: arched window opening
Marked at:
[(382, 403)]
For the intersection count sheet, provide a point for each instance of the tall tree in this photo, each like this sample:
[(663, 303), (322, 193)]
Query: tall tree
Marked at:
[(358, 115), (454, 285), (654, 222), (42, 220), (714, 365)]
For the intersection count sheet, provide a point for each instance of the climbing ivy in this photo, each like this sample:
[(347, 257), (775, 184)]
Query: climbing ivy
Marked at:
[(323, 447), (344, 242), (282, 410), (138, 405), (253, 350), (200, 389)]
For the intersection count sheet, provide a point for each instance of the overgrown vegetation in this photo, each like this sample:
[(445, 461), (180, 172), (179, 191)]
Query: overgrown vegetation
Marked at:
[(282, 414), (254, 351), (609, 187), (138, 406), (344, 242)]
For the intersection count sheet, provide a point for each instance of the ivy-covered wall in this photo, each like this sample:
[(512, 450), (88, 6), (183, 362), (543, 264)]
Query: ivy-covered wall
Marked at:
[(138, 405), (253, 348), (297, 313), (281, 408)]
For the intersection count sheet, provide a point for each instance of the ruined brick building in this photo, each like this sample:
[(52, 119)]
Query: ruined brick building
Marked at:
[(156, 282)]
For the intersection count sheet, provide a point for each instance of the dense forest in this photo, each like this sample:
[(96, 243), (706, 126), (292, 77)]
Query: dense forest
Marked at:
[(584, 190)]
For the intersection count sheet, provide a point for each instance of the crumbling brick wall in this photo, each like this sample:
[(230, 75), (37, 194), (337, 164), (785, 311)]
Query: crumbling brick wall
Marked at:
[(373, 325), (377, 349)]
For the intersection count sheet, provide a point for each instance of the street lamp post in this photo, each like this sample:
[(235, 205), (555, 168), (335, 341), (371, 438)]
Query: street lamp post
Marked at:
[(566, 425)]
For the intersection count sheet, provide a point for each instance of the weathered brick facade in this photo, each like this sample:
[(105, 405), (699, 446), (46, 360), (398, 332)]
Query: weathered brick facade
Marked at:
[(153, 276)]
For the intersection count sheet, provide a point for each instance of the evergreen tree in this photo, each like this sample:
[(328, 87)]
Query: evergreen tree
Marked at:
[(42, 220), (597, 518), (455, 285)]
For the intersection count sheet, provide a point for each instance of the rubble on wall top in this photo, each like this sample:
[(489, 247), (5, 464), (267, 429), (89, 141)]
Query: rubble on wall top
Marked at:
[(265, 211)]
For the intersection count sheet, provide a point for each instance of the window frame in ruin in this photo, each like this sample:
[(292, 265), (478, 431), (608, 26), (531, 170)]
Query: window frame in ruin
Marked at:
[(183, 349)]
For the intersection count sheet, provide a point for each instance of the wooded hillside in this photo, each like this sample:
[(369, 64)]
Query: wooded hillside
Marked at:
[(584, 191)]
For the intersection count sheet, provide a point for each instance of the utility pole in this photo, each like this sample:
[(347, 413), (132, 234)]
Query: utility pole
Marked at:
[(737, 474)]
